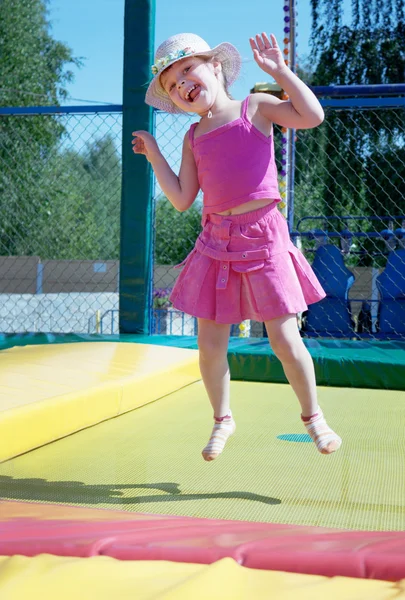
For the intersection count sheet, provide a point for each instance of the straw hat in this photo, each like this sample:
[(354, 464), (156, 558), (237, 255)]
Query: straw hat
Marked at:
[(178, 47)]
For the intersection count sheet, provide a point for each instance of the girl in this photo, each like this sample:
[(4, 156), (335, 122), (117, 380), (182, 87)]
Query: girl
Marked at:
[(243, 265)]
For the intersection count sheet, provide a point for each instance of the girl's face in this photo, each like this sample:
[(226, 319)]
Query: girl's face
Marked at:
[(192, 84)]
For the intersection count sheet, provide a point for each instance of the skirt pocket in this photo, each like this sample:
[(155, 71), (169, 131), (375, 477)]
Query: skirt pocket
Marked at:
[(251, 231), (247, 266)]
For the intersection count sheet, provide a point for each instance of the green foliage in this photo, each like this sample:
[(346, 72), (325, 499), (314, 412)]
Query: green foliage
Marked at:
[(62, 206), (79, 215), (175, 232), (54, 202), (369, 51), (32, 63), (353, 164)]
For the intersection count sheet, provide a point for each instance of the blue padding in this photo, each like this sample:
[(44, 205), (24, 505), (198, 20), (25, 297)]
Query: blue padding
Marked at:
[(329, 316), (391, 286), (391, 282), (332, 314), (333, 275), (392, 316)]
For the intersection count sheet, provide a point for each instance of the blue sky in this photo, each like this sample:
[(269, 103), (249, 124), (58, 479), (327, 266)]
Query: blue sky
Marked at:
[(94, 31)]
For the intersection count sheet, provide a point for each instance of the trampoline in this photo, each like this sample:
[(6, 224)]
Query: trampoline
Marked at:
[(101, 443)]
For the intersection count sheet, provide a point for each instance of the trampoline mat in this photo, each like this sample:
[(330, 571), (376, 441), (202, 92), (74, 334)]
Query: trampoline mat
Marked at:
[(149, 461)]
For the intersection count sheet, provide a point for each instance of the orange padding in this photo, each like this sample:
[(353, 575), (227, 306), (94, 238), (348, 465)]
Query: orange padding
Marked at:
[(47, 577), (32, 529)]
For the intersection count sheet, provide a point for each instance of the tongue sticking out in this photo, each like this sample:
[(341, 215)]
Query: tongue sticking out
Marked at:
[(194, 93)]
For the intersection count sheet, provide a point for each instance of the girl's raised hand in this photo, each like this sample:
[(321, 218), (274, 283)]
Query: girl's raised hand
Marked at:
[(144, 143), (267, 54)]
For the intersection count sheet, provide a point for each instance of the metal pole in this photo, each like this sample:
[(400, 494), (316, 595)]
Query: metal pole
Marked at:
[(291, 132)]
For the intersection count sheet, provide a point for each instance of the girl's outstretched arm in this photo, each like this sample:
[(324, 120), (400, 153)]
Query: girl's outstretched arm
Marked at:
[(180, 189), (302, 110)]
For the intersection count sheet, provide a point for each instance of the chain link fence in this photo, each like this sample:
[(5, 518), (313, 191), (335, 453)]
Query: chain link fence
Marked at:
[(349, 221), (60, 193), (60, 190), (175, 232)]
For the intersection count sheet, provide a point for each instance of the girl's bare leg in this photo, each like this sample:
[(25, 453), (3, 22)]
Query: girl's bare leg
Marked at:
[(213, 348), (298, 366)]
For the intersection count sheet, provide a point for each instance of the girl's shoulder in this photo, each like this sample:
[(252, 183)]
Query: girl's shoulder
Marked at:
[(256, 100), (256, 115)]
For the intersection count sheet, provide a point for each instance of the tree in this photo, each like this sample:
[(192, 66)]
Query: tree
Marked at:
[(342, 165), (33, 71), (79, 215), (32, 63), (103, 165), (369, 51), (175, 232)]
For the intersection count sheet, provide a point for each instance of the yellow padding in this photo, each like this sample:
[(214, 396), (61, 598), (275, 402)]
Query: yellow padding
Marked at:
[(48, 392), (47, 577)]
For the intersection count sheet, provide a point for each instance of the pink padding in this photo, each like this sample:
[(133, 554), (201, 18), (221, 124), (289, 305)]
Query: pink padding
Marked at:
[(32, 529)]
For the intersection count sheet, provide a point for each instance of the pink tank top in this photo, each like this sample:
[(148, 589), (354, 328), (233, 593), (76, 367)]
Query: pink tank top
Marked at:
[(235, 164)]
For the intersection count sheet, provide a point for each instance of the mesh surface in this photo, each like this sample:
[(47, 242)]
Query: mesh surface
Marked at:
[(149, 461)]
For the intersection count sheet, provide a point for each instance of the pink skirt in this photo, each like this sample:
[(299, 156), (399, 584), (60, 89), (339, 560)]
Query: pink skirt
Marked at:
[(245, 267)]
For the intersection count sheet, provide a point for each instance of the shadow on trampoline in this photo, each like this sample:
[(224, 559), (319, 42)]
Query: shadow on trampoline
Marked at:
[(77, 492)]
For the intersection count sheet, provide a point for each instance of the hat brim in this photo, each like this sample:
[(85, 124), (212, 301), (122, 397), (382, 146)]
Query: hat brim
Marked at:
[(226, 54)]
